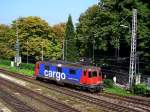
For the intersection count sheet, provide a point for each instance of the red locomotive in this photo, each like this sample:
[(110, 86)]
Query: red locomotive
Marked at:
[(85, 77)]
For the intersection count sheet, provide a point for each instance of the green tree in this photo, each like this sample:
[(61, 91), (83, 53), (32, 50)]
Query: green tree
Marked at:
[(36, 31), (35, 46), (71, 53), (102, 23), (124, 9), (59, 30), (6, 42), (32, 27), (98, 27)]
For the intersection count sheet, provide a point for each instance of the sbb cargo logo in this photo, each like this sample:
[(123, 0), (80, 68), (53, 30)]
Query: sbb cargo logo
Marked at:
[(52, 74)]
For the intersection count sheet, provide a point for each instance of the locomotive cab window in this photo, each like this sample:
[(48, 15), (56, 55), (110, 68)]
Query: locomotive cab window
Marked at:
[(94, 74), (71, 71), (90, 74), (100, 73), (59, 69)]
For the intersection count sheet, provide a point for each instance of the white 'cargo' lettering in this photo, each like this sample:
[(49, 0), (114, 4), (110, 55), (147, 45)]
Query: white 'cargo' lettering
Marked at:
[(63, 76), (59, 76), (46, 73)]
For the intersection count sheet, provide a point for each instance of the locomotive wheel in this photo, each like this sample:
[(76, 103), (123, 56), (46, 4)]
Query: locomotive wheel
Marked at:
[(60, 83), (78, 87), (98, 90), (92, 90), (83, 88), (39, 78)]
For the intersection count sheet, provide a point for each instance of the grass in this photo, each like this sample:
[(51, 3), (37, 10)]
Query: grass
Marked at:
[(118, 91), (28, 72)]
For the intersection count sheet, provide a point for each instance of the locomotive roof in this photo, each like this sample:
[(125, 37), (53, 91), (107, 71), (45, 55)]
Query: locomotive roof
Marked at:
[(69, 64)]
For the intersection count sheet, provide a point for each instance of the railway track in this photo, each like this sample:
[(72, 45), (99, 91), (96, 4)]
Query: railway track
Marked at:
[(15, 103), (38, 97), (141, 101), (79, 95)]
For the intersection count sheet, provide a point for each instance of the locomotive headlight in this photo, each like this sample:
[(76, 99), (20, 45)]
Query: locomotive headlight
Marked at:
[(59, 65), (90, 70)]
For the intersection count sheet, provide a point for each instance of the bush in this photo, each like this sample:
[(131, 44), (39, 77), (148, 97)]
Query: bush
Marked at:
[(27, 66), (140, 89), (108, 83), (21, 66), (5, 62)]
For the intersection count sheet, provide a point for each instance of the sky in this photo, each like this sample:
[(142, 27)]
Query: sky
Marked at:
[(53, 11)]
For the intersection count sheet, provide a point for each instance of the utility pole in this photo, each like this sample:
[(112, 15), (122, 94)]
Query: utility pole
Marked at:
[(132, 69), (93, 50), (17, 58), (66, 51), (117, 48), (42, 51), (63, 49), (27, 51)]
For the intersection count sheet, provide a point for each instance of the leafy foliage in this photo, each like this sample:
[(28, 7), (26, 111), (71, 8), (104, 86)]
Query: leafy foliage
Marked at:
[(140, 89), (5, 62), (97, 26), (59, 30), (28, 66), (34, 34), (6, 44), (102, 23), (32, 27), (34, 47), (108, 83), (71, 53), (118, 91), (25, 69)]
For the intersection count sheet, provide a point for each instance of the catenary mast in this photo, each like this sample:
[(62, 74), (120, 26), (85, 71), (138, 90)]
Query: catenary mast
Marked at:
[(132, 69)]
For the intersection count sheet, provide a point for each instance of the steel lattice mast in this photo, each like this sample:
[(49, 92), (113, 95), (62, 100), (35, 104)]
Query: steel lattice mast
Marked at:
[(132, 69)]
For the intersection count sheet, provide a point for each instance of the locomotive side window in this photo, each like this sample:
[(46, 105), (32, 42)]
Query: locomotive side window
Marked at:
[(90, 74), (94, 74), (46, 67), (71, 71), (59, 69)]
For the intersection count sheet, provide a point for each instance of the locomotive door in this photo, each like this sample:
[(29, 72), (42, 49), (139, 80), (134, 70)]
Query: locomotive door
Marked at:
[(84, 80), (36, 69)]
